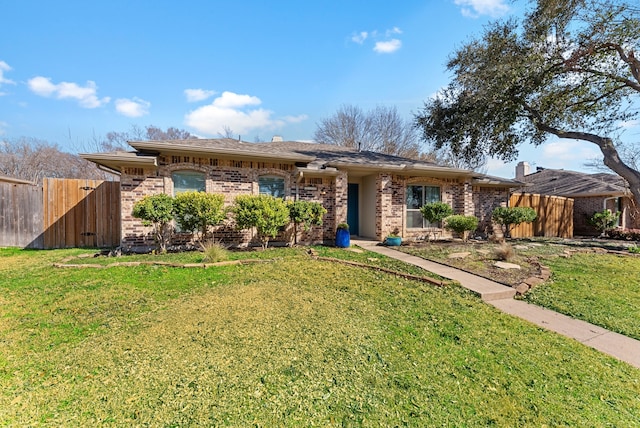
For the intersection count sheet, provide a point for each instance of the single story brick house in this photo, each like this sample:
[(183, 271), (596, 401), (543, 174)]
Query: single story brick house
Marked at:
[(591, 193), (376, 194)]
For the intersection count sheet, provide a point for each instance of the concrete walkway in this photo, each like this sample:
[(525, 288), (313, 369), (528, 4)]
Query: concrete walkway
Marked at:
[(501, 297)]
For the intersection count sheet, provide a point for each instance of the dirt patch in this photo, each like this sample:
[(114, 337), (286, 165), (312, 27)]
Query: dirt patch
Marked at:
[(482, 257)]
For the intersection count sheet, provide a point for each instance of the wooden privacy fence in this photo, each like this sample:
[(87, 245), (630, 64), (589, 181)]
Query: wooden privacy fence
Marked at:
[(62, 213), (81, 213), (555, 216), (20, 215)]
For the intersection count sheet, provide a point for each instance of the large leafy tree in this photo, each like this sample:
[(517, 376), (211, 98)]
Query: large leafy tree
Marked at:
[(567, 69)]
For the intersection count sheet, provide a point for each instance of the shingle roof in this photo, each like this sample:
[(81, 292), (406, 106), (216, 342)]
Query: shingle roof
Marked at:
[(559, 182), (309, 156), (290, 150)]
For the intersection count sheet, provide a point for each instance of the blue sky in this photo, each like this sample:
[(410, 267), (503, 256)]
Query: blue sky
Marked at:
[(70, 70)]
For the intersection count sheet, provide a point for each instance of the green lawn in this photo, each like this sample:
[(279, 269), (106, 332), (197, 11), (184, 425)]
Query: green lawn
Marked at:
[(288, 342), (603, 289)]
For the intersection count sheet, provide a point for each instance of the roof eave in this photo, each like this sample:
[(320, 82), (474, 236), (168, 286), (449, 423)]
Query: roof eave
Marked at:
[(117, 161)]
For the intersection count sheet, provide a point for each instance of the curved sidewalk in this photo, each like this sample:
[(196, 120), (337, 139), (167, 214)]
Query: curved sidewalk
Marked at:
[(501, 296)]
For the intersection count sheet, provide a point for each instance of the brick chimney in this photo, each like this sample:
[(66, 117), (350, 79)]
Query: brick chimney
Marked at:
[(522, 169)]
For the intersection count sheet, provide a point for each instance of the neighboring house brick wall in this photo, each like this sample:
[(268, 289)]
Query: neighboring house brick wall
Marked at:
[(583, 209)]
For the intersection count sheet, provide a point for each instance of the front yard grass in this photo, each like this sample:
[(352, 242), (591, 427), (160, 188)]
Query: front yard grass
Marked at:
[(289, 342), (603, 289)]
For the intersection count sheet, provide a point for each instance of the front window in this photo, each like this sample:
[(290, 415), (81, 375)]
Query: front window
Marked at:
[(273, 186), (417, 196), (188, 181)]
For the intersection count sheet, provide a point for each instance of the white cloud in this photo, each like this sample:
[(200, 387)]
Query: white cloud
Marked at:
[(389, 46), (475, 8), (85, 95), (295, 119), (567, 154), (235, 111), (232, 100), (3, 80), (135, 107), (360, 37), (195, 95), (394, 30), (383, 43), (3, 127)]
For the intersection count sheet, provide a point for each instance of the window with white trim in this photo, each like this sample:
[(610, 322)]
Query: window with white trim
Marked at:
[(416, 197), (271, 185)]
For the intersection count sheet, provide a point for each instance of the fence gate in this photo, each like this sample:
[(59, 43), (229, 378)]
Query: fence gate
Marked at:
[(81, 213), (555, 216)]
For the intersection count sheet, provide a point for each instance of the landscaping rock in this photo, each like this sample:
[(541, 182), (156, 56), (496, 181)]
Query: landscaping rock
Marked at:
[(505, 265), (520, 247), (522, 288), (356, 250), (459, 255), (483, 252), (545, 273), (372, 259), (533, 281)]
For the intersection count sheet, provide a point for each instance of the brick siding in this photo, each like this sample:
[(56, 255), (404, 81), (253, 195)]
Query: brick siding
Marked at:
[(234, 177)]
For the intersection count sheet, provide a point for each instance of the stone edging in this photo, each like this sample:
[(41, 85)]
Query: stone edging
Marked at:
[(533, 281)]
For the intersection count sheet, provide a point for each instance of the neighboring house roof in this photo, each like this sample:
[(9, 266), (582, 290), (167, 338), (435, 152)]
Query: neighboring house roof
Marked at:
[(5, 179), (573, 184), (310, 158)]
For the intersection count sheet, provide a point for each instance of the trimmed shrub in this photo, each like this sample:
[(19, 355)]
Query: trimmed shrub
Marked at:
[(156, 211), (305, 214), (266, 213), (461, 224), (435, 212), (604, 221), (198, 211), (510, 217)]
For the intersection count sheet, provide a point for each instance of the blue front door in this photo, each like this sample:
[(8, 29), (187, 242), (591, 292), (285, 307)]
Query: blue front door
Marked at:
[(353, 212)]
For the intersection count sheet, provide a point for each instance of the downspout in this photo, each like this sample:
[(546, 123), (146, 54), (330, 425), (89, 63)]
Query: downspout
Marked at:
[(299, 179)]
